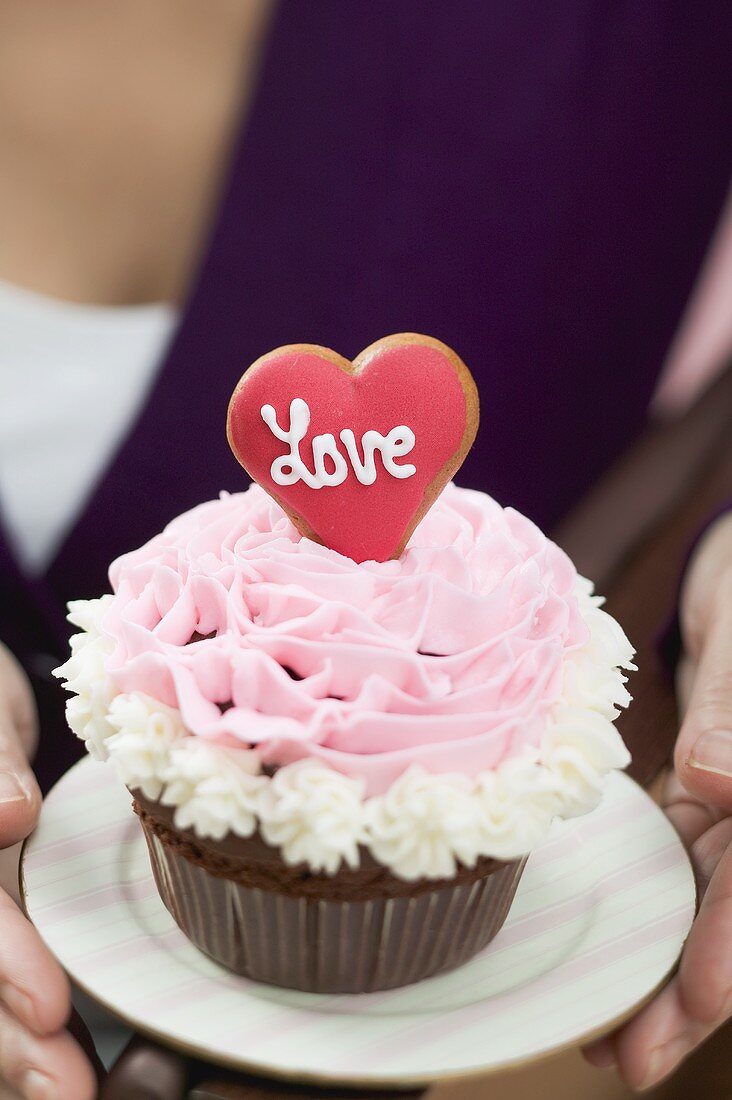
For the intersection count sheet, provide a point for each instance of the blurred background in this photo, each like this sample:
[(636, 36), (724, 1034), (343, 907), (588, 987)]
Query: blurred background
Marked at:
[(545, 187)]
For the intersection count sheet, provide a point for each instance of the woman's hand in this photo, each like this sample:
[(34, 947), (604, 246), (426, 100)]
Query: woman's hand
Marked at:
[(37, 1057), (698, 800)]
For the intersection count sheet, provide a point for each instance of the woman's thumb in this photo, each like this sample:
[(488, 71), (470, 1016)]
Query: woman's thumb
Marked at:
[(20, 798), (703, 756)]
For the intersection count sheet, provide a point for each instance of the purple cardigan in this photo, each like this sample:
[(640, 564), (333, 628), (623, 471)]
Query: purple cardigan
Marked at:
[(533, 184)]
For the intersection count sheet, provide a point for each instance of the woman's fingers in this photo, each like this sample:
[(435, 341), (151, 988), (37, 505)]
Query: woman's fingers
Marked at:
[(49, 1068), (703, 756), (33, 987), (20, 798), (705, 974), (658, 1039), (690, 816), (696, 799), (38, 1058), (699, 998), (17, 702)]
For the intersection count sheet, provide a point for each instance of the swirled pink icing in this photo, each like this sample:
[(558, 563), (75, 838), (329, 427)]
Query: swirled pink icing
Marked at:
[(449, 657)]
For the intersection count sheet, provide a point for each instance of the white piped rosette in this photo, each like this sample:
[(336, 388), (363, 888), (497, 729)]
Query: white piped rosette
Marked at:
[(426, 820)]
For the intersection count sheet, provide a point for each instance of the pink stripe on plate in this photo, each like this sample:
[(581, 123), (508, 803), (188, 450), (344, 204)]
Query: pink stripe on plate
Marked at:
[(475, 983), (521, 931), (98, 899), (560, 912), (577, 860), (595, 961), (201, 988), (603, 818), (139, 946), (93, 840)]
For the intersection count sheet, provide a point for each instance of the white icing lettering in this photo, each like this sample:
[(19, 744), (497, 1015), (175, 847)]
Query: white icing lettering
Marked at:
[(326, 446), (329, 465), (399, 442)]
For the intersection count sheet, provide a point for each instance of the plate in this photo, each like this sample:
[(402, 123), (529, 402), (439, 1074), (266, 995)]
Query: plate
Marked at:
[(597, 926)]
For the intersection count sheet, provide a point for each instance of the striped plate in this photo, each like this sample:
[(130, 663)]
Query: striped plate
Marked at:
[(597, 925)]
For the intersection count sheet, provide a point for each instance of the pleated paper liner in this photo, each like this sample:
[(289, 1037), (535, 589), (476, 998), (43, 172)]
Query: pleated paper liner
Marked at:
[(297, 936)]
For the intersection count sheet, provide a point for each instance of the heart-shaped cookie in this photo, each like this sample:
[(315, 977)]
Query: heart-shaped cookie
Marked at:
[(355, 453)]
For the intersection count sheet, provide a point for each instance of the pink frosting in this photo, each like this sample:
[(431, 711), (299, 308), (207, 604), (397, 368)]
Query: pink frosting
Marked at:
[(448, 657)]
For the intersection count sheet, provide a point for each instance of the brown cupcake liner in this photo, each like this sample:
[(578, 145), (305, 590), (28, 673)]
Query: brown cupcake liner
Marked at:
[(327, 945)]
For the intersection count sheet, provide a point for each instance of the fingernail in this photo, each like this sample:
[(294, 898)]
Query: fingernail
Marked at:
[(713, 752), (11, 788), (664, 1059), (726, 1012), (36, 1086), (20, 1004)]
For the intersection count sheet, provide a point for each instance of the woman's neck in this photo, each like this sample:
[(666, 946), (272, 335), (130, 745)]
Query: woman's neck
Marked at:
[(115, 122)]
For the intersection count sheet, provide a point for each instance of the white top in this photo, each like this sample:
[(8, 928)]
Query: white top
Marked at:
[(73, 379)]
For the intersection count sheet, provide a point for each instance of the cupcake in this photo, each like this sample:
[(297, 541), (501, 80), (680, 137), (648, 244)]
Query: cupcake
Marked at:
[(341, 766)]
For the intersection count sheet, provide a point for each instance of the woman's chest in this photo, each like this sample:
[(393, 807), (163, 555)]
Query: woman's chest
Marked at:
[(453, 175), (115, 125)]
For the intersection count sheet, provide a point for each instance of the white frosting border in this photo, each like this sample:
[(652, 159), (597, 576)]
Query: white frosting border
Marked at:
[(421, 827)]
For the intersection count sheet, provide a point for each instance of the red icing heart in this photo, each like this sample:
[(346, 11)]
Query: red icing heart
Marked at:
[(405, 381)]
